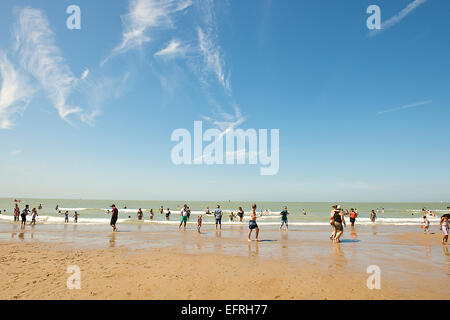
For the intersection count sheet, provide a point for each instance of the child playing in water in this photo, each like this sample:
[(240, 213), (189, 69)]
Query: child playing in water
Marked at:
[(199, 222)]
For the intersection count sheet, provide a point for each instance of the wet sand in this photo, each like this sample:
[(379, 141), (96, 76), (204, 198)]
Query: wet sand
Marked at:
[(160, 262)]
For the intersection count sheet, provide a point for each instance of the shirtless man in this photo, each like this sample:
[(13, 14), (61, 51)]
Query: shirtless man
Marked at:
[(252, 223), (184, 216)]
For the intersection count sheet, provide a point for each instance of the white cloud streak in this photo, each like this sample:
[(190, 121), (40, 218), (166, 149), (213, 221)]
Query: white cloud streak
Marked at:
[(173, 49), (40, 57), (421, 103), (15, 93), (144, 16), (399, 17)]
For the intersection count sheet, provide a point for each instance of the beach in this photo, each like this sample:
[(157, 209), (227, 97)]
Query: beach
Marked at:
[(153, 261)]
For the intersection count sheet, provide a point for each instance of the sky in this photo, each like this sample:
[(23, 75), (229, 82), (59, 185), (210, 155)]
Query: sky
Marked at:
[(88, 113)]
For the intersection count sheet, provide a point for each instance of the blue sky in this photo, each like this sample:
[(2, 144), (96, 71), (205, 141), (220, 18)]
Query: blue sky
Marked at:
[(89, 113)]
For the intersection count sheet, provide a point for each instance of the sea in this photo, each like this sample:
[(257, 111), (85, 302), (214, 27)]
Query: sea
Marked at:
[(317, 213)]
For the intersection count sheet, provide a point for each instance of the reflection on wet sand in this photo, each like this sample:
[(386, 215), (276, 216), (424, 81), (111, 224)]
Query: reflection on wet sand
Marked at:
[(253, 252), (112, 240)]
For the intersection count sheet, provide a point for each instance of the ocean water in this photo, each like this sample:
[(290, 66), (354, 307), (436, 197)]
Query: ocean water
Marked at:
[(95, 211)]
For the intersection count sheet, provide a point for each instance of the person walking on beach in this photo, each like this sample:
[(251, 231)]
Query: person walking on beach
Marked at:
[(114, 217), (445, 226), (199, 222), (218, 216), (284, 218), (16, 212), (66, 217), (151, 214), (373, 216), (33, 217), (168, 214), (24, 214), (252, 225), (184, 215), (240, 214), (426, 224), (353, 216), (338, 220)]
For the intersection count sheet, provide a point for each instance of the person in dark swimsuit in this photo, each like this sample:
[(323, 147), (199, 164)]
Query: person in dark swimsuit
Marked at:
[(140, 214), (168, 214), (284, 218), (240, 214), (114, 217), (24, 215), (338, 221)]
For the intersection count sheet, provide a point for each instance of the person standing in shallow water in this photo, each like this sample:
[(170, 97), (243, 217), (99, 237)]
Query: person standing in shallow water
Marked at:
[(252, 225), (284, 218), (240, 214), (373, 216), (24, 215), (114, 217), (339, 220), (16, 212)]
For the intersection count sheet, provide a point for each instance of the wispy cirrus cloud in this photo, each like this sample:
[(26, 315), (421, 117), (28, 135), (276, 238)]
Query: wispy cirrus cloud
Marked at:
[(398, 17), (15, 92), (35, 45), (173, 49), (142, 18), (416, 104)]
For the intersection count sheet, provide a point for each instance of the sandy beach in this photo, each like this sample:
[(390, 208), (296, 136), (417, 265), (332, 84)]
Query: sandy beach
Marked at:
[(160, 262)]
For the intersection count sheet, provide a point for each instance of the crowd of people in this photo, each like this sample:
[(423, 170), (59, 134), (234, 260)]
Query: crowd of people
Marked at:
[(337, 218)]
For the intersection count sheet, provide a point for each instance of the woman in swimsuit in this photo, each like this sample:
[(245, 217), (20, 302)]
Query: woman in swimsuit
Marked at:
[(240, 214)]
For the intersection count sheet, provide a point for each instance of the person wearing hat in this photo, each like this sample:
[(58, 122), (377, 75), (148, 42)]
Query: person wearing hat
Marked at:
[(114, 217)]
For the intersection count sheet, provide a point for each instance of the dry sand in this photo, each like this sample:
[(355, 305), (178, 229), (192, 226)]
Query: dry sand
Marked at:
[(298, 265)]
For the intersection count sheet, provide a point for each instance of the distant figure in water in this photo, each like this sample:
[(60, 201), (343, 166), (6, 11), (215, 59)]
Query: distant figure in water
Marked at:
[(168, 214), (140, 214), (353, 216), (382, 210), (24, 214), (240, 214), (252, 225), (183, 214), (16, 212), (161, 210), (426, 224), (75, 217), (57, 208), (151, 214), (199, 222), (231, 216), (114, 217), (304, 212), (66, 217), (125, 207), (284, 218), (207, 211), (33, 217), (373, 216), (40, 207)]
